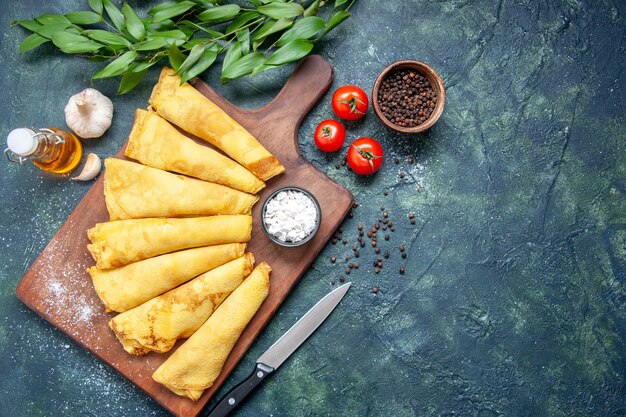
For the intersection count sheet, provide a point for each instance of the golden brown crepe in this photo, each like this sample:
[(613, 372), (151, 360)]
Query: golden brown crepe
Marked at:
[(123, 288), (119, 243), (134, 191), (188, 109), (157, 324), (156, 143), (195, 365)]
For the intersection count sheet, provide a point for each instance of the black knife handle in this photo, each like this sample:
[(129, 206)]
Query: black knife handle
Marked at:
[(236, 395)]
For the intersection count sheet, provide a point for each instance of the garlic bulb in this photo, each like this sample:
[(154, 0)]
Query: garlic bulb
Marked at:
[(89, 113), (91, 169)]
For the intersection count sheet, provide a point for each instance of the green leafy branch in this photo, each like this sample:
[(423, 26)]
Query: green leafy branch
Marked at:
[(190, 34)]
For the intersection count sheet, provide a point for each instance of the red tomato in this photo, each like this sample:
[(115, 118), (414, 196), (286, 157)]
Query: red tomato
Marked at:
[(350, 102), (329, 135), (365, 156)]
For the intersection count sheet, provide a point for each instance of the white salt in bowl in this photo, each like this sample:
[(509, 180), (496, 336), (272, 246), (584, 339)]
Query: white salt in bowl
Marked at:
[(270, 227)]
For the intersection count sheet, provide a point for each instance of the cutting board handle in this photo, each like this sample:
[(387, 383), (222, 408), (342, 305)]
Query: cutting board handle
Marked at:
[(301, 92)]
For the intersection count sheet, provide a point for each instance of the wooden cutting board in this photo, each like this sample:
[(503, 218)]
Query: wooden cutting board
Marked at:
[(58, 288)]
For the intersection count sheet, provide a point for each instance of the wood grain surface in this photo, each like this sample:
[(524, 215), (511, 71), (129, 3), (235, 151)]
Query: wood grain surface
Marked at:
[(58, 288)]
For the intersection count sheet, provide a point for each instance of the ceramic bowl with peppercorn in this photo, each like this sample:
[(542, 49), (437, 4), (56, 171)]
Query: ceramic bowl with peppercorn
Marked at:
[(408, 96)]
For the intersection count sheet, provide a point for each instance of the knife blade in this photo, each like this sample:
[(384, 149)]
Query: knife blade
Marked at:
[(273, 357)]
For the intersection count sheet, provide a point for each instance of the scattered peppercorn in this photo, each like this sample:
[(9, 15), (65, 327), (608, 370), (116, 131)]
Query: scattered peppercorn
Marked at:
[(379, 264), (407, 98), (333, 259), (355, 204), (410, 159), (382, 208), (404, 255), (344, 240), (385, 214), (373, 243), (341, 278), (334, 241), (374, 290), (377, 270), (396, 161), (412, 221), (386, 254), (348, 270), (386, 237), (401, 174), (401, 248), (332, 282), (377, 250), (360, 226), (401, 271), (386, 193), (357, 265), (337, 166), (357, 254)]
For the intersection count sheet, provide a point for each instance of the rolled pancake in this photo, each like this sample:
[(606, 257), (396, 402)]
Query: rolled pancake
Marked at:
[(197, 363), (188, 109), (134, 191), (122, 242), (156, 143), (123, 288), (157, 324)]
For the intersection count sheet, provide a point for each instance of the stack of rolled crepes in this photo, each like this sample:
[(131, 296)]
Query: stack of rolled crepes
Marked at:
[(172, 259)]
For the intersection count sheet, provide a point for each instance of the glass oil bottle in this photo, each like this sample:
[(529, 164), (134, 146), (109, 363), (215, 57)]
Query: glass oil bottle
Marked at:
[(53, 150)]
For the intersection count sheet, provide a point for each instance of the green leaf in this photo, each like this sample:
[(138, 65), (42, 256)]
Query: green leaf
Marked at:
[(206, 3), (206, 60), (243, 36), (151, 44), (144, 65), (219, 13), (31, 25), (83, 17), (278, 10), (167, 24), (257, 3), (194, 55), (117, 66), (241, 20), (170, 34), (31, 42), (339, 3), (96, 6), (49, 18), (168, 10), (233, 53), (71, 43), (47, 30), (117, 18), (303, 29), (242, 66), (175, 56), (260, 68), (106, 37), (334, 21), (130, 81), (312, 9), (290, 52), (269, 28), (133, 23)]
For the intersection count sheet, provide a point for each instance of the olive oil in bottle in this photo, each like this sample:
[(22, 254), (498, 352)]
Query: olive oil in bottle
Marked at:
[(52, 150)]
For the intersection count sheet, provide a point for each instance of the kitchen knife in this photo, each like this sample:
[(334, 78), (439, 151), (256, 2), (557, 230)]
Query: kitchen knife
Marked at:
[(272, 358)]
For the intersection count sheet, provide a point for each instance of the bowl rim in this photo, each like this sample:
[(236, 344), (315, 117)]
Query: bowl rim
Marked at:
[(318, 218), (434, 79)]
